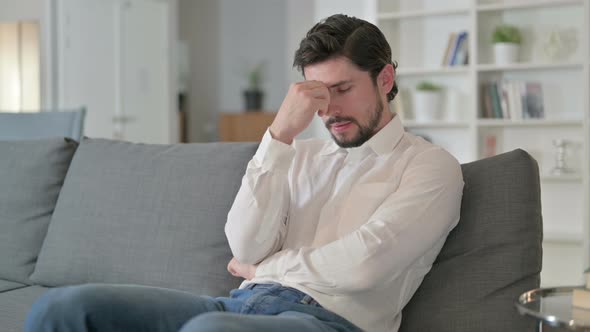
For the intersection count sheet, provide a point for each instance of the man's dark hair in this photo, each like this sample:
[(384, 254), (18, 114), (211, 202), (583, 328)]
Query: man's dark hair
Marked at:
[(341, 35)]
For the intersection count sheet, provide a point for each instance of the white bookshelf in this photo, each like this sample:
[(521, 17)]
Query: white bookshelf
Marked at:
[(435, 124), (514, 5), (529, 66), (561, 178), (418, 33), (421, 13), (529, 123), (417, 71)]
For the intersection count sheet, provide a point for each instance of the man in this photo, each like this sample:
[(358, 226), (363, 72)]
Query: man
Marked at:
[(329, 235)]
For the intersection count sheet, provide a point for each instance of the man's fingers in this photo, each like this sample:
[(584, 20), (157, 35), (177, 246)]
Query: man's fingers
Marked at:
[(230, 266), (312, 84), (320, 93), (233, 267), (321, 104)]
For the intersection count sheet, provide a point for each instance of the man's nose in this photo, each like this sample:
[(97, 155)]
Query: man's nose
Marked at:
[(333, 109)]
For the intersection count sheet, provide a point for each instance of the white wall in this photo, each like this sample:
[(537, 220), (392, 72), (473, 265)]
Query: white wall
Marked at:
[(362, 9), (251, 31), (224, 37), (21, 10), (198, 27), (300, 18), (227, 35)]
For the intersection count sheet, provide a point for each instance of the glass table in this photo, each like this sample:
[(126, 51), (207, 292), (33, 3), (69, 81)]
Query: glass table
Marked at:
[(553, 307)]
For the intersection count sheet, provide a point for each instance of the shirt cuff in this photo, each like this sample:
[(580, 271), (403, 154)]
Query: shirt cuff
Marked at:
[(273, 154)]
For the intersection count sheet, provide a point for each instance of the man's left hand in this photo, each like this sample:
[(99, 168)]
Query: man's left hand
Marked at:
[(237, 269)]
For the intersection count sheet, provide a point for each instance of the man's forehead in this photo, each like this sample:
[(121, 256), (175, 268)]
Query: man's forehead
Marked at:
[(331, 72)]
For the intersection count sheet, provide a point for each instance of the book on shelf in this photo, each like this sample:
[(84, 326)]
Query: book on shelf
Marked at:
[(534, 101), (457, 51), (450, 44), (486, 102), (511, 99), (494, 95)]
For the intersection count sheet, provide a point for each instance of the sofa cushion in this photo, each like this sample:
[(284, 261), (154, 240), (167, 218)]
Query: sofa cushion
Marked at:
[(31, 177), (145, 214), (14, 306), (491, 257), (6, 285)]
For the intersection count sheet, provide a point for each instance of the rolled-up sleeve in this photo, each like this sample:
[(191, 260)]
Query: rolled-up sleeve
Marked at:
[(256, 223)]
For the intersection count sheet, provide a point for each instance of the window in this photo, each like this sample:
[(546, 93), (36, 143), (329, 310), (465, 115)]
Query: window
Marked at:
[(20, 81)]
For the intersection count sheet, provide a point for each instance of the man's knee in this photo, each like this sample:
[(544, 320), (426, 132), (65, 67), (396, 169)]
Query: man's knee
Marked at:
[(213, 322), (61, 307)]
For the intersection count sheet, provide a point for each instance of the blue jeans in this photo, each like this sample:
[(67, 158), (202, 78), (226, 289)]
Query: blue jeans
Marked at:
[(258, 307)]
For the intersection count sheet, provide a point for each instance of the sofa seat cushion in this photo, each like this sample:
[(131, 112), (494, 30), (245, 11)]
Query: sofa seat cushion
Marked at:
[(145, 214), (31, 177), (15, 305), (6, 285)]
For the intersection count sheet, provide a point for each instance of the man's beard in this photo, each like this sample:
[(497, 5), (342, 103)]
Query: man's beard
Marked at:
[(365, 132)]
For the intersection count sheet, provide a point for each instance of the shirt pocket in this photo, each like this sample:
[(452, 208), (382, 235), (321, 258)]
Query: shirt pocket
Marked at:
[(362, 201)]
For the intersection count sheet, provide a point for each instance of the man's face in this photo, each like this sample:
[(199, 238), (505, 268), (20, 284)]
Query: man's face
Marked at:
[(356, 107)]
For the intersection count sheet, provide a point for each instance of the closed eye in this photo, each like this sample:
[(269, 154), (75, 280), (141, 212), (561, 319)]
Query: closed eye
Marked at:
[(343, 91)]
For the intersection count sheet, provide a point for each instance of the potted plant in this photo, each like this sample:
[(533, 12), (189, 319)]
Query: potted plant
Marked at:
[(427, 102), (254, 95), (506, 39)]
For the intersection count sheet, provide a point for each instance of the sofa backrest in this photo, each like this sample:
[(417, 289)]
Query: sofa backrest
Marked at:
[(40, 125), (31, 177), (491, 257), (145, 214)]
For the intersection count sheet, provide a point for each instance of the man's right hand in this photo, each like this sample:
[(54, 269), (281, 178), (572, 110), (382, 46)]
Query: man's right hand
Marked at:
[(302, 102)]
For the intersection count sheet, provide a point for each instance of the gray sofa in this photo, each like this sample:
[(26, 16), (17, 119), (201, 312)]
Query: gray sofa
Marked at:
[(115, 212)]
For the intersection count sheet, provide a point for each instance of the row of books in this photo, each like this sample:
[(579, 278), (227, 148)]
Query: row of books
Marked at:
[(457, 51), (511, 99)]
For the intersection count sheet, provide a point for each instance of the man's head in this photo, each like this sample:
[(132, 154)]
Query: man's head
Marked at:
[(353, 58)]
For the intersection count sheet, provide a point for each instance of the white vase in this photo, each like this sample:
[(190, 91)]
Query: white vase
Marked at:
[(427, 106), (506, 53)]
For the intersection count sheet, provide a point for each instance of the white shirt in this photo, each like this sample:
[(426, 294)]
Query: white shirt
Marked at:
[(357, 229)]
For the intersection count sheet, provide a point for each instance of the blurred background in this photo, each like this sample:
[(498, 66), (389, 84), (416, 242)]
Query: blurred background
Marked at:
[(478, 77), (158, 71)]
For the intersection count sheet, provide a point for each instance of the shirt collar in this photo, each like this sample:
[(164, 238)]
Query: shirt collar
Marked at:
[(387, 138), (381, 143)]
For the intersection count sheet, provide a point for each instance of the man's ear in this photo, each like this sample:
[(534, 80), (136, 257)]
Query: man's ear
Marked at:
[(386, 79)]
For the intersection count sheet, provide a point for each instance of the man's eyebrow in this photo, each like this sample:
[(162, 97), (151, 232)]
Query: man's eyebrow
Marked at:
[(335, 85)]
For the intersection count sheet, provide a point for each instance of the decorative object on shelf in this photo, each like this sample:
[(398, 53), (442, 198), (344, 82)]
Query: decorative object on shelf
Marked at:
[(561, 167), (427, 102), (490, 145), (506, 39), (254, 95), (559, 44), (552, 45)]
